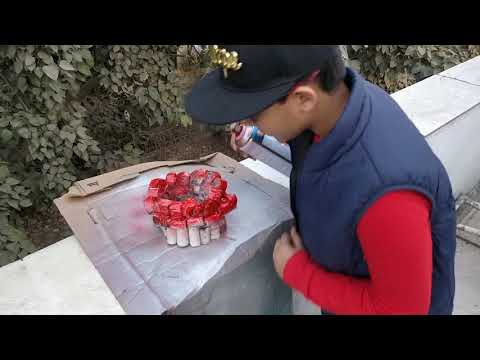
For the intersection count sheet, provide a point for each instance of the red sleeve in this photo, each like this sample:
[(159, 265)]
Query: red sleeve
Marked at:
[(395, 236)]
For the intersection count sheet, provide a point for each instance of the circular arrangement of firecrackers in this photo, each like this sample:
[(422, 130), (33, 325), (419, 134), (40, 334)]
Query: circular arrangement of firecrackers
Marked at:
[(190, 208)]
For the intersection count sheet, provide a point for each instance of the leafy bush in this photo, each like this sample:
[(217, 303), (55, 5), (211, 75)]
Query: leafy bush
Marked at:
[(394, 67), (151, 75), (42, 132), (45, 132)]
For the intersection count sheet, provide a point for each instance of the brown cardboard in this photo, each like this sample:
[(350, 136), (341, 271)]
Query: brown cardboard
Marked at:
[(104, 182), (77, 205)]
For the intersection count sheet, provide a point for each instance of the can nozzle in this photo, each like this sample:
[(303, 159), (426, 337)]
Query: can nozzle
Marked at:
[(238, 129)]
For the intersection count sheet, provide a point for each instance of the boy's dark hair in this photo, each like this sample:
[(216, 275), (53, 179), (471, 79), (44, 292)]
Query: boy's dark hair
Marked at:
[(332, 71)]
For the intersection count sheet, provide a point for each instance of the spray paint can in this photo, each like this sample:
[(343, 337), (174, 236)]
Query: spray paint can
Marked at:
[(248, 137)]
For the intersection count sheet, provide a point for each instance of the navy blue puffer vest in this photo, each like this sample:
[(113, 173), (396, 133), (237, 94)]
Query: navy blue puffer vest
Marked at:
[(374, 149)]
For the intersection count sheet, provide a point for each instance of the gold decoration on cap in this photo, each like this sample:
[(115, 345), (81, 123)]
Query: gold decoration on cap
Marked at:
[(225, 59)]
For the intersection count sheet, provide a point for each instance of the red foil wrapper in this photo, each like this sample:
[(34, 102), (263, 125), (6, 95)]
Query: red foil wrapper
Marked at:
[(210, 207), (160, 219), (219, 184), (176, 210), (156, 187), (233, 200), (179, 191), (171, 178), (211, 176), (162, 205), (215, 194), (198, 176), (149, 204), (227, 204), (183, 179), (194, 200), (177, 224), (162, 186), (154, 184), (198, 211), (195, 221), (215, 218), (189, 207)]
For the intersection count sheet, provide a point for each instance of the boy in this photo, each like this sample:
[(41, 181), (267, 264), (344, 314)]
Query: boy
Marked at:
[(375, 214)]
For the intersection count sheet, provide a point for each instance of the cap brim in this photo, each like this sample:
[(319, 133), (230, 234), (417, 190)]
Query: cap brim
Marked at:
[(210, 102)]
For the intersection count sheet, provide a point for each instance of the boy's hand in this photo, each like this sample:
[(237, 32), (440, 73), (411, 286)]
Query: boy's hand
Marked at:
[(233, 143), (286, 247)]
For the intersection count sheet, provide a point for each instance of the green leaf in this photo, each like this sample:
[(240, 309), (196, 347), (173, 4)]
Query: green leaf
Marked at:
[(47, 59), (153, 92), (65, 65), (11, 49), (12, 181), (63, 134), (24, 133), (81, 147), (185, 120), (6, 135), (4, 122), (87, 55), (58, 98), (5, 188), (142, 100), (18, 66), (13, 203), (51, 71), (22, 84), (4, 172), (16, 123), (77, 56), (25, 203), (29, 60), (19, 189), (13, 247), (84, 69), (71, 137), (38, 71), (82, 132), (37, 121), (49, 103)]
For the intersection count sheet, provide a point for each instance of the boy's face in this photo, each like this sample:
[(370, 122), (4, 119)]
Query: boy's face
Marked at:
[(288, 119)]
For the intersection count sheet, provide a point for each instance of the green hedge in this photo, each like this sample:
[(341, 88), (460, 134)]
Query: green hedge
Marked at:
[(394, 67), (45, 142)]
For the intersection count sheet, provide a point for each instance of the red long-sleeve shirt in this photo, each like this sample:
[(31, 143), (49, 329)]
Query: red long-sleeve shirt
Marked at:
[(395, 236)]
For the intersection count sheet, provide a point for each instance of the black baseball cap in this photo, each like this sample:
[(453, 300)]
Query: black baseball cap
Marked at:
[(267, 74)]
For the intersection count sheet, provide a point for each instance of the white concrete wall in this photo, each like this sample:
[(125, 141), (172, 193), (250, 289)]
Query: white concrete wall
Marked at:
[(446, 110)]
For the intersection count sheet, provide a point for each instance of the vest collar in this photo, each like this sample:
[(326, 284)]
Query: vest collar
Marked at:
[(347, 130)]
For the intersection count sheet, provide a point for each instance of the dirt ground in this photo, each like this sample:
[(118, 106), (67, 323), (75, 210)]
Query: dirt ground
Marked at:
[(177, 143)]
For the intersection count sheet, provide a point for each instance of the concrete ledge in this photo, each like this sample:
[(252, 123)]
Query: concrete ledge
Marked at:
[(59, 279), (446, 110)]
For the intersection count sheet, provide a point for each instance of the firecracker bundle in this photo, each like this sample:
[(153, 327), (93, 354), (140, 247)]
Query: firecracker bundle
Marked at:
[(190, 208)]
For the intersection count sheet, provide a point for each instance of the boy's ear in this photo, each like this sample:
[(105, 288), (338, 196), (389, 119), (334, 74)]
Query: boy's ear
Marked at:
[(305, 98)]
